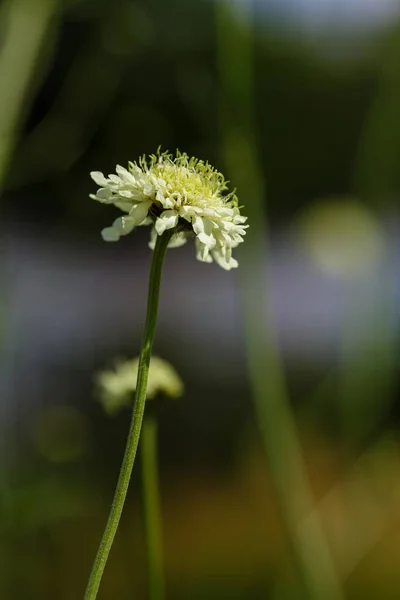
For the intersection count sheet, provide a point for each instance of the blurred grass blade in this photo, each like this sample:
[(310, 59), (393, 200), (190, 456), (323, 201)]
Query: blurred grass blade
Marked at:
[(85, 94), (368, 369), (237, 105), (377, 164), (25, 24)]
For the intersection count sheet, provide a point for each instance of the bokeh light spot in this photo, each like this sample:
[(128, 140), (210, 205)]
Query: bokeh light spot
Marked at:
[(342, 236)]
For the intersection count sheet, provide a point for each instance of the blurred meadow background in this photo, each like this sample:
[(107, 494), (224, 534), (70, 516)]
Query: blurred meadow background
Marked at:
[(290, 363)]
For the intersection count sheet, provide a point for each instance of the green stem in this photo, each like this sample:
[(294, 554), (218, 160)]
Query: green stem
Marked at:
[(137, 418), (152, 509)]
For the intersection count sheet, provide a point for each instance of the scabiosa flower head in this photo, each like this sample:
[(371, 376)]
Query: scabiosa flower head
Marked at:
[(180, 193), (116, 387)]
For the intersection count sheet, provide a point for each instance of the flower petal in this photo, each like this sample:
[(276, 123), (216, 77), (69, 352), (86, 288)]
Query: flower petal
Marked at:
[(223, 262), (124, 224), (124, 206), (121, 226), (139, 212), (109, 234), (126, 193), (99, 178), (203, 228), (147, 221), (148, 189), (167, 220), (124, 175), (202, 252), (178, 239), (187, 212), (104, 195), (162, 196), (153, 238)]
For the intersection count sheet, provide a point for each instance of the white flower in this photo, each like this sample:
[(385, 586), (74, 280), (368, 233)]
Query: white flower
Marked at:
[(181, 193), (117, 387)]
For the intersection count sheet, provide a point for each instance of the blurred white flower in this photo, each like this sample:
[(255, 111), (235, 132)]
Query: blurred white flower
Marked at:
[(117, 387), (178, 193)]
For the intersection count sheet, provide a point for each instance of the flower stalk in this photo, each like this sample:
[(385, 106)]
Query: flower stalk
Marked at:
[(179, 197), (152, 508), (107, 539)]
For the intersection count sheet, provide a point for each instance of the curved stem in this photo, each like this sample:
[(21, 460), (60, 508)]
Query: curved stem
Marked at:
[(137, 418), (152, 509)]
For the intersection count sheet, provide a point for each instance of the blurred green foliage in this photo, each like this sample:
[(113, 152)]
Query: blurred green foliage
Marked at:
[(127, 76)]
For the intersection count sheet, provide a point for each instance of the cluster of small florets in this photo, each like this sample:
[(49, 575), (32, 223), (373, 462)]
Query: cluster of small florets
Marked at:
[(180, 193)]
